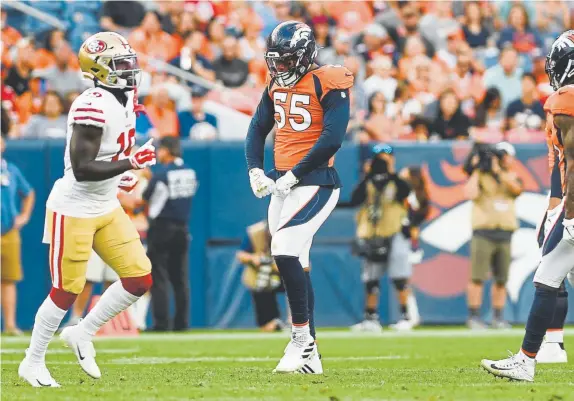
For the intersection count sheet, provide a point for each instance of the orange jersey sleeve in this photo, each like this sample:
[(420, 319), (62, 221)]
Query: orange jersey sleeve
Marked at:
[(334, 77)]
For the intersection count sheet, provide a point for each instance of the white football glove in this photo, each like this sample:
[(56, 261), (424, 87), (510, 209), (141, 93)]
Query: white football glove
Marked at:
[(568, 234), (144, 156), (128, 182), (261, 185), (284, 184)]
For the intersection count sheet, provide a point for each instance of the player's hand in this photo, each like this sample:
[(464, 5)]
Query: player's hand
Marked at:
[(20, 221), (144, 156), (128, 182), (568, 234), (260, 183), (284, 184)]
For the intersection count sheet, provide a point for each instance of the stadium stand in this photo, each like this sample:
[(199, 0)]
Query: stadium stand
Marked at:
[(416, 54)]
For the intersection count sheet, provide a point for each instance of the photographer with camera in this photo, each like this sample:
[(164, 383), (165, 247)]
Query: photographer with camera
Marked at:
[(493, 187), (381, 242), (261, 276)]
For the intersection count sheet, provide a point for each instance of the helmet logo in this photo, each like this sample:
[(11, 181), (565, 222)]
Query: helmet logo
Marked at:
[(302, 32), (96, 46)]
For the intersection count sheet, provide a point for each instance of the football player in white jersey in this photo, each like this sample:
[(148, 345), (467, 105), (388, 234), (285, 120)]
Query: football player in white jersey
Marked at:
[(83, 211)]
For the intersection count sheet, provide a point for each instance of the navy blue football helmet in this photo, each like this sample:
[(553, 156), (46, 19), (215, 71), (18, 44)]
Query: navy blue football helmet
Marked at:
[(291, 51), (560, 60)]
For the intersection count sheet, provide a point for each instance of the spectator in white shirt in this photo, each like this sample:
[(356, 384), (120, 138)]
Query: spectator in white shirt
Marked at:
[(382, 79)]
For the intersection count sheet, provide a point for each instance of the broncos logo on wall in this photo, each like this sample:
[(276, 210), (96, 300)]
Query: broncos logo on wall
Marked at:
[(446, 235)]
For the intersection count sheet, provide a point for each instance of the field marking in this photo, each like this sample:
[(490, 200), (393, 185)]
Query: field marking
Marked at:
[(343, 334), (166, 360), (67, 351)]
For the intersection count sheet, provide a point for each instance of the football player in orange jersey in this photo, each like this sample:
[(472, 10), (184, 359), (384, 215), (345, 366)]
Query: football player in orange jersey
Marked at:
[(310, 106), (558, 245)]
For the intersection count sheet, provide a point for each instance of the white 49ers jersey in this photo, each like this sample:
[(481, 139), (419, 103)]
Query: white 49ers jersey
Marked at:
[(99, 108)]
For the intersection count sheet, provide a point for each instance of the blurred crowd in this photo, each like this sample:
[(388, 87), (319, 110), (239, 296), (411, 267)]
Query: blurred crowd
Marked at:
[(424, 70)]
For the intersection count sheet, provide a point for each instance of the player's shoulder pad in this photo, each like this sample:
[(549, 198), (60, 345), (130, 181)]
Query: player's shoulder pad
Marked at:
[(334, 77), (561, 101), (90, 108)]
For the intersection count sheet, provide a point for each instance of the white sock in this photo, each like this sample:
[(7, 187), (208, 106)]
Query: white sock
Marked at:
[(526, 358), (48, 319), (301, 334), (555, 336), (113, 301), (138, 311)]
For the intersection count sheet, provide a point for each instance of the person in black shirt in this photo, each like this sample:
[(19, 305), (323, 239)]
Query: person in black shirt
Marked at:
[(230, 69), (19, 75), (526, 112), (121, 15), (451, 122), (169, 194)]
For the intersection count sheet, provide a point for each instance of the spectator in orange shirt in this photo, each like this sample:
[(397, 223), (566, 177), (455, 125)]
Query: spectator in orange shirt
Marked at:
[(185, 25), (465, 80), (414, 49), (379, 126), (162, 115), (151, 41), (45, 57), (9, 35)]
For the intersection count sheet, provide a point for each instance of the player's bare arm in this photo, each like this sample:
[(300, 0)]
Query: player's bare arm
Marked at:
[(566, 125), (84, 147)]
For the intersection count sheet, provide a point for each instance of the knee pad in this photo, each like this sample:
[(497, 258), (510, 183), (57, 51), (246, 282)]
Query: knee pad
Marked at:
[(372, 287), (62, 299), (137, 285), (400, 284)]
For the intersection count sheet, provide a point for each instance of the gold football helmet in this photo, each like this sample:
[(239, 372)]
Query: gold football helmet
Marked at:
[(108, 58)]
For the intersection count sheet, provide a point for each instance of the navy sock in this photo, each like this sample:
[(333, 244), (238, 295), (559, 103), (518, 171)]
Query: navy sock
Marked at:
[(295, 283), (539, 320), (311, 303), (560, 312)]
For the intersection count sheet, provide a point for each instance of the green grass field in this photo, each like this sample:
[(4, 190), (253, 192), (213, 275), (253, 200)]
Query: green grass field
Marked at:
[(428, 364)]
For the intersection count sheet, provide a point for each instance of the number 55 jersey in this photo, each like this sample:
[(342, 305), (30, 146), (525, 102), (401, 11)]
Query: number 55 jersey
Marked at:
[(98, 108), (299, 114)]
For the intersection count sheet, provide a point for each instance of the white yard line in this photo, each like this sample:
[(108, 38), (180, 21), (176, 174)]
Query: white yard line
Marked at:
[(20, 350), (343, 334), (165, 360)]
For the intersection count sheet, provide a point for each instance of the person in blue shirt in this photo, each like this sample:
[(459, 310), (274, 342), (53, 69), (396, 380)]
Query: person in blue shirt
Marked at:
[(17, 205), (196, 123), (168, 195), (261, 276)]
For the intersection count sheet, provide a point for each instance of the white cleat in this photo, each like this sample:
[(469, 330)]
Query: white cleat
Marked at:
[(367, 326), (551, 353), (84, 351), (516, 367), (313, 366), (297, 354), (402, 325), (36, 375)]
